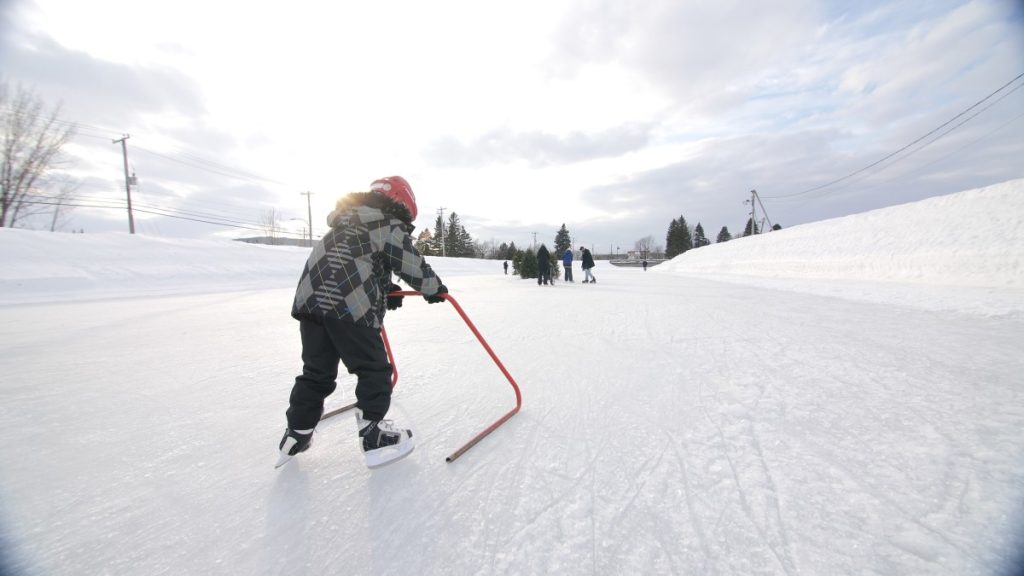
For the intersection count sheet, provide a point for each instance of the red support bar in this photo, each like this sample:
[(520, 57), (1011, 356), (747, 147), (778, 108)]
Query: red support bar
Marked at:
[(519, 396), (394, 375)]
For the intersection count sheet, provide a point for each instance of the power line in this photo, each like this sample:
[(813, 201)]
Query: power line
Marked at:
[(101, 133), (160, 212), (92, 202), (185, 158), (956, 151), (933, 131), (947, 132), (210, 166)]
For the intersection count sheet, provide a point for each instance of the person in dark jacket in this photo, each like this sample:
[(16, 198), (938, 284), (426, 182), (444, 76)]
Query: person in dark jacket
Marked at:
[(340, 304), (588, 263), (567, 264), (544, 266)]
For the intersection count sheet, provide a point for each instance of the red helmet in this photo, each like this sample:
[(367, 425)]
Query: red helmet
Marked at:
[(396, 188)]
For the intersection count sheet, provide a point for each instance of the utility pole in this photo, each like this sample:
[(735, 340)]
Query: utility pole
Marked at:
[(309, 213), (763, 211), (440, 212), (753, 213), (754, 201), (534, 245), (127, 181)]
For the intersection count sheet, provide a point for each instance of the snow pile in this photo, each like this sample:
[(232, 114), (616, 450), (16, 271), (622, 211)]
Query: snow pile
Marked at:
[(963, 251), (40, 266), (43, 267)]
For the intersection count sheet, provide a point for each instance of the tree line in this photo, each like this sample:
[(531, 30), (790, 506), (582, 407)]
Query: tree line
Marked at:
[(450, 238), (681, 237)]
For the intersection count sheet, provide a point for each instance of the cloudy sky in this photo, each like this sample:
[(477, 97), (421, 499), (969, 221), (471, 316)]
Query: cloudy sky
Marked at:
[(611, 117)]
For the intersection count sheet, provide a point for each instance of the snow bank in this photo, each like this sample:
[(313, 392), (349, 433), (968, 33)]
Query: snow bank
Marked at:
[(43, 267), (963, 251), (47, 267)]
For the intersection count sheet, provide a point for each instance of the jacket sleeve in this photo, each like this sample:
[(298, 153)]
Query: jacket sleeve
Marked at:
[(405, 260)]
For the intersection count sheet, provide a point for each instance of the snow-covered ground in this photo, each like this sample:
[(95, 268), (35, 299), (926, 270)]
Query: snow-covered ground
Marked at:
[(845, 397)]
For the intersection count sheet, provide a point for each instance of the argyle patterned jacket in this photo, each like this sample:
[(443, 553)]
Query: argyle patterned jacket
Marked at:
[(349, 270)]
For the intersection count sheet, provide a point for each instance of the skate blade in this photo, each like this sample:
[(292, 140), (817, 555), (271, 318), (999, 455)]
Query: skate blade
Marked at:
[(282, 459), (384, 456)]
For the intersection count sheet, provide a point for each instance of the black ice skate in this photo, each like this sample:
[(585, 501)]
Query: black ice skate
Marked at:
[(382, 442), (291, 444)]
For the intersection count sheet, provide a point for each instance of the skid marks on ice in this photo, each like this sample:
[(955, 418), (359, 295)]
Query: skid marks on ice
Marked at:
[(737, 408), (542, 496), (881, 452)]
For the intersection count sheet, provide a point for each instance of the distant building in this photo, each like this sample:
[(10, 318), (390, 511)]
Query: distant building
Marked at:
[(275, 241)]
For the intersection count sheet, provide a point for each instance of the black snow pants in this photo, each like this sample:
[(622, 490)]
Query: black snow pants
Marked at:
[(324, 344)]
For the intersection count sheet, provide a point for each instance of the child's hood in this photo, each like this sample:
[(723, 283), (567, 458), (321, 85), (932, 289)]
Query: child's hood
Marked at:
[(377, 207)]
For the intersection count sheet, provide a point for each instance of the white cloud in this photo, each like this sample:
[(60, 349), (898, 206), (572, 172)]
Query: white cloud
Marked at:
[(610, 115)]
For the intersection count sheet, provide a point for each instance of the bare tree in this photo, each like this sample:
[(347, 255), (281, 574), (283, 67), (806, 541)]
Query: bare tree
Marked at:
[(31, 147), (643, 246), (425, 243), (65, 194), (270, 221)]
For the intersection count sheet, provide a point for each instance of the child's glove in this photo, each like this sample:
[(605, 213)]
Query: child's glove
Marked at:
[(438, 297), (394, 302)]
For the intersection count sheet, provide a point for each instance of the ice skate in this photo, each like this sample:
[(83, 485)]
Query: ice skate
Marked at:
[(382, 442), (292, 443)]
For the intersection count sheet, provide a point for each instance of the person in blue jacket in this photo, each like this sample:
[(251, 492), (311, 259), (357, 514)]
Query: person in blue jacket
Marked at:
[(567, 263)]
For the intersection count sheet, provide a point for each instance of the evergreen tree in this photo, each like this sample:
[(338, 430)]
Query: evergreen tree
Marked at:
[(517, 260), (699, 239), (528, 265), (555, 260), (467, 246), (678, 239), (724, 235), (452, 240), (562, 241), (457, 241), (685, 241), (672, 239), (502, 253), (751, 225), (438, 245)]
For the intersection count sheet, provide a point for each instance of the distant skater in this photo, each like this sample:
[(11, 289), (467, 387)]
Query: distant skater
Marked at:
[(544, 266), (588, 263)]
